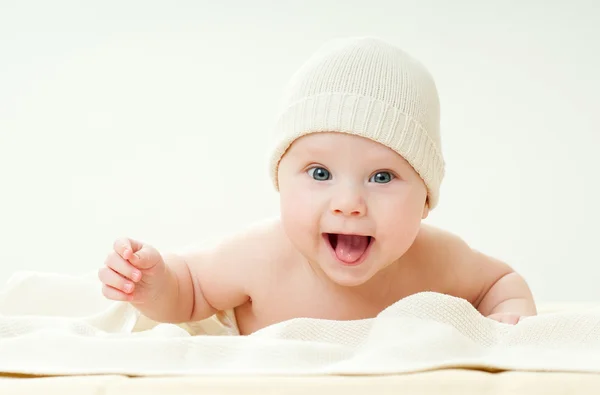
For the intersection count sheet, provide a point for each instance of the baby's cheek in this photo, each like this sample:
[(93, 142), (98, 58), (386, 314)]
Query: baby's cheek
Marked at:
[(301, 231), (293, 202), (398, 226), (296, 210)]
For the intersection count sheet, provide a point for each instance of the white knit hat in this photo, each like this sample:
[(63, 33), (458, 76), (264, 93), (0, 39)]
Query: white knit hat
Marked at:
[(366, 87)]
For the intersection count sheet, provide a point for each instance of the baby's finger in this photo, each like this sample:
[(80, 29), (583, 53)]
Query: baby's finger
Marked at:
[(126, 247), (146, 258), (124, 268), (122, 246), (505, 318), (512, 319), (114, 294), (115, 280)]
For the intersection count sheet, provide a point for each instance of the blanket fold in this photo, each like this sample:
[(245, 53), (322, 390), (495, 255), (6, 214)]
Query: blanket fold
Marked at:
[(53, 324)]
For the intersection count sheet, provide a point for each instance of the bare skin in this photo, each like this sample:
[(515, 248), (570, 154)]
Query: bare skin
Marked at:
[(284, 268)]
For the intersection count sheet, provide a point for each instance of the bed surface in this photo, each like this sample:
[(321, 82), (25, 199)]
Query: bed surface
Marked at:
[(444, 382)]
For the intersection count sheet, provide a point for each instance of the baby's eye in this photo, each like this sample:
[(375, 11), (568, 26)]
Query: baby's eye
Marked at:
[(382, 177), (319, 174)]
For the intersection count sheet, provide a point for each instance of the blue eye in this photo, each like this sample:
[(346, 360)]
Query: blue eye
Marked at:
[(319, 173), (382, 177)]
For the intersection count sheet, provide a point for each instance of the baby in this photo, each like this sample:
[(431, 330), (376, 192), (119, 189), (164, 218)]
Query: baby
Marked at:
[(358, 165)]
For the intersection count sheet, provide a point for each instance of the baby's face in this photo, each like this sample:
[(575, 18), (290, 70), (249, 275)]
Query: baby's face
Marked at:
[(351, 206)]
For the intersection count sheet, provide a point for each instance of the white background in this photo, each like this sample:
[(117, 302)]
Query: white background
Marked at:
[(150, 120)]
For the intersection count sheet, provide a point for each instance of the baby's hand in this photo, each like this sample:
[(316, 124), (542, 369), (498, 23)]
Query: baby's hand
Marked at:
[(506, 318), (133, 272)]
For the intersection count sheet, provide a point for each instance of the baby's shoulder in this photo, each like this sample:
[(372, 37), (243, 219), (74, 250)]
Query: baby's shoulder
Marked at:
[(439, 260), (265, 256), (433, 242), (246, 249), (262, 243), (450, 262)]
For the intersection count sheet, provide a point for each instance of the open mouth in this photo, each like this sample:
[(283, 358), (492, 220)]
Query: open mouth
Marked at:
[(349, 249)]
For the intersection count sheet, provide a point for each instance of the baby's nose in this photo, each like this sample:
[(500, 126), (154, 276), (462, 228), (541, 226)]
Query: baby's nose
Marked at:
[(349, 203)]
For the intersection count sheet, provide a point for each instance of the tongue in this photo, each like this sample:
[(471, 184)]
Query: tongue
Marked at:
[(350, 248)]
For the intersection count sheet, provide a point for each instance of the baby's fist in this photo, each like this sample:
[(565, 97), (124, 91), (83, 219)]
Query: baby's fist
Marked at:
[(129, 270)]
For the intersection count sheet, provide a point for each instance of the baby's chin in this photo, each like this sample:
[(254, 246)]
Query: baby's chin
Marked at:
[(349, 276)]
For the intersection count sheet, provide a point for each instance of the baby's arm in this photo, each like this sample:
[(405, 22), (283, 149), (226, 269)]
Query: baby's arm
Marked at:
[(223, 277), (510, 295), (491, 285), (178, 288), (504, 296)]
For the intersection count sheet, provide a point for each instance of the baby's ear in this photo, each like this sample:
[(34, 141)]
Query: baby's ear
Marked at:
[(425, 209)]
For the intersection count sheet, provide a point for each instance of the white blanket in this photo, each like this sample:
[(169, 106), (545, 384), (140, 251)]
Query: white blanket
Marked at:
[(53, 324)]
